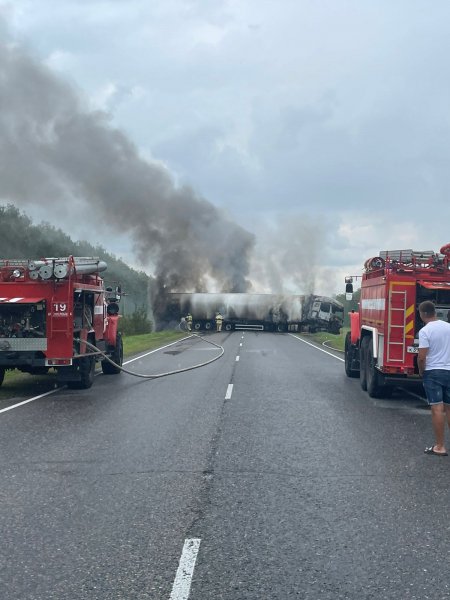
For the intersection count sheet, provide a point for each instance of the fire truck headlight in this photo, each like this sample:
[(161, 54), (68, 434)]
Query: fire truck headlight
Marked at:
[(16, 273)]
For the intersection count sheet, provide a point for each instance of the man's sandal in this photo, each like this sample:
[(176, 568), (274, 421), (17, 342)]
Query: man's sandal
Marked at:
[(431, 450)]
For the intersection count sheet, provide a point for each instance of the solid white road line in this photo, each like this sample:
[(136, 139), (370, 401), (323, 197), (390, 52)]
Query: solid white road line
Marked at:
[(182, 584), (316, 347), (229, 391), (342, 360), (29, 400), (59, 389), (237, 358)]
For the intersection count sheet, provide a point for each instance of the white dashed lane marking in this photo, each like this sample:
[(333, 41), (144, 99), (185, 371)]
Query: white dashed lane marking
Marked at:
[(182, 584)]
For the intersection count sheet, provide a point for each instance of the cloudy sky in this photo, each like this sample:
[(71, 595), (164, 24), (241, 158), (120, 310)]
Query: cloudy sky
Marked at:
[(321, 127)]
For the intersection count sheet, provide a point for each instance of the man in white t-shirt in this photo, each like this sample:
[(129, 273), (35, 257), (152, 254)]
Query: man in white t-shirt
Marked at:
[(434, 366)]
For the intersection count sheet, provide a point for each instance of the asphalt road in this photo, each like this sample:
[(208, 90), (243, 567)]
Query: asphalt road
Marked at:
[(267, 474)]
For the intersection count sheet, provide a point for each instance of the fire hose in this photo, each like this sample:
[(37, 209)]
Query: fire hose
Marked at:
[(158, 375)]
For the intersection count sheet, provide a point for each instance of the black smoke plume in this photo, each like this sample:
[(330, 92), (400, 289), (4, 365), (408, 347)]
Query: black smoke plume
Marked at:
[(56, 153)]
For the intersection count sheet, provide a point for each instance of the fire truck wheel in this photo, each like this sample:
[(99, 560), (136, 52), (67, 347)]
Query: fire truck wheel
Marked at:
[(365, 343), (116, 356), (86, 370), (374, 385), (2, 375), (349, 355)]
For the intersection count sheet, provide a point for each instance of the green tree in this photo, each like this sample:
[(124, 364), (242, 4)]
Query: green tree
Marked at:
[(136, 323)]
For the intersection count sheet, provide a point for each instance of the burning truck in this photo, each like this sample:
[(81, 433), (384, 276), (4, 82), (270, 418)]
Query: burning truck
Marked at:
[(258, 312)]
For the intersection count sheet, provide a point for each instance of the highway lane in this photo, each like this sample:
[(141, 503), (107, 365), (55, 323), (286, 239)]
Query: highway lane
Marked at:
[(320, 492), (99, 486), (295, 482)]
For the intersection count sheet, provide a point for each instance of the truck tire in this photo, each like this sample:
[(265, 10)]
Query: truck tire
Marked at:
[(335, 328), (116, 356), (349, 356), (2, 375), (197, 326), (228, 327), (365, 343), (374, 384), (86, 370), (208, 325)]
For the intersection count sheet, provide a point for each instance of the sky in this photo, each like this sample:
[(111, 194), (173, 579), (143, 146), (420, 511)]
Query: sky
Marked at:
[(319, 127)]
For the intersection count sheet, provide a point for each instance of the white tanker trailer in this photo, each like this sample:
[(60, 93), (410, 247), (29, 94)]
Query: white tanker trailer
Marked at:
[(259, 312)]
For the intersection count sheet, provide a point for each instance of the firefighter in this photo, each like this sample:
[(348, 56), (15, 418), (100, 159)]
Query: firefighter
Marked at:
[(219, 321), (189, 321)]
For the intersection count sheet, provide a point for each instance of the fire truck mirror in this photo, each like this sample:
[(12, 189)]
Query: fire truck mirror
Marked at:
[(112, 309), (348, 291)]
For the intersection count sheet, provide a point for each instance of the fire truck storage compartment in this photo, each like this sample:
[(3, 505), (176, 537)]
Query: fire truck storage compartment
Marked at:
[(24, 318), (438, 292)]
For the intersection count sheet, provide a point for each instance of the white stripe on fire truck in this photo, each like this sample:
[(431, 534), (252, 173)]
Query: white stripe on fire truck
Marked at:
[(10, 299), (373, 303)]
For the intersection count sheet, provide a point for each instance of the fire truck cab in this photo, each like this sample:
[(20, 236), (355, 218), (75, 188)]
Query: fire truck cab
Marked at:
[(50, 310), (382, 345)]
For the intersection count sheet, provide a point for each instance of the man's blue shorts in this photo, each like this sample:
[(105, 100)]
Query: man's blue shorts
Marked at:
[(437, 386)]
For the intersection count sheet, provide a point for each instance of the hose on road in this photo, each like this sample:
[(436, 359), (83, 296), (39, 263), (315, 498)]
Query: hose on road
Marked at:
[(159, 375)]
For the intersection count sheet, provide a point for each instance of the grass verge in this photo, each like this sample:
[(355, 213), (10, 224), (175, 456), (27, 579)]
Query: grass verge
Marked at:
[(337, 342)]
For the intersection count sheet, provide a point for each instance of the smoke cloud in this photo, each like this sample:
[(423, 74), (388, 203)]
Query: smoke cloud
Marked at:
[(55, 153), (287, 256)]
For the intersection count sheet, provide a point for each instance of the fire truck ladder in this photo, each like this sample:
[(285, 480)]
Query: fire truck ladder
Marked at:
[(396, 324)]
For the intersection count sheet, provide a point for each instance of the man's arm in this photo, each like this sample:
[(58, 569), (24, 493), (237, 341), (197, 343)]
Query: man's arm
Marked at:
[(421, 358)]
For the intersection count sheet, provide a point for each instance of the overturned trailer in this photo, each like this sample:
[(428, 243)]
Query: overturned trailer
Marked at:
[(259, 312)]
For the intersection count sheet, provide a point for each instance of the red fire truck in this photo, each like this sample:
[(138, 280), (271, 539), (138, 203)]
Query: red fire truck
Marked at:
[(49, 309), (382, 344)]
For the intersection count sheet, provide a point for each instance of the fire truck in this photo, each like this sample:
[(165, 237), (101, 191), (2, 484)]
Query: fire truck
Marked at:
[(382, 345), (52, 311)]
